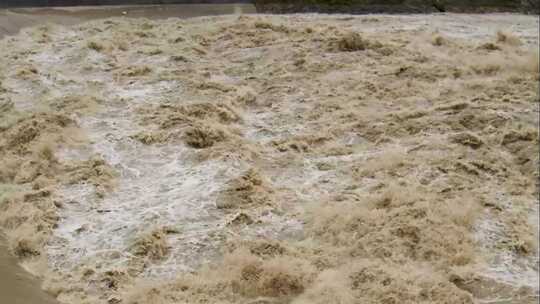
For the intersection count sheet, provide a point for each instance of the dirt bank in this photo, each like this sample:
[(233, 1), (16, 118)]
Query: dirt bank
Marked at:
[(12, 20), (65, 3), (275, 159)]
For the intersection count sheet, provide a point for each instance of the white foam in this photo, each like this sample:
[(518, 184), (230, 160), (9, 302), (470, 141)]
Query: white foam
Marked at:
[(505, 265)]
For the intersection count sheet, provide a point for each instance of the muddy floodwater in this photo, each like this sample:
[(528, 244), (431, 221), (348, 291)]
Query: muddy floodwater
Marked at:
[(17, 286), (283, 159)]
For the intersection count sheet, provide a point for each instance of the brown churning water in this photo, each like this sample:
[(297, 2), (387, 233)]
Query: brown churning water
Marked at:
[(16, 285)]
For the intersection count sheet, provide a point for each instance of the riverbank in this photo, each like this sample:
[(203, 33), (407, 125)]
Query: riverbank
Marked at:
[(14, 19)]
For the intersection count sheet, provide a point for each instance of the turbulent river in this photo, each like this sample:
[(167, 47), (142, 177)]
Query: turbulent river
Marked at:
[(272, 159)]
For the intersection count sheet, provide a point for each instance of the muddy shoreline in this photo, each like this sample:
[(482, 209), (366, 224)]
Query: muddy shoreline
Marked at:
[(14, 19), (52, 3)]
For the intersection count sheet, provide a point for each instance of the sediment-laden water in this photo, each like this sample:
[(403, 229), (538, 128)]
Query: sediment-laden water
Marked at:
[(275, 159)]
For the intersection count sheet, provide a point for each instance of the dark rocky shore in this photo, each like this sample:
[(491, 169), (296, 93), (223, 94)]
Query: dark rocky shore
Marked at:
[(396, 6), (323, 6)]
